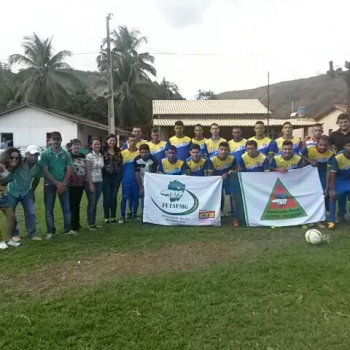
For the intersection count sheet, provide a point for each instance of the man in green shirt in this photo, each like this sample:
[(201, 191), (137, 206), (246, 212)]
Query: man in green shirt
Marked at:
[(21, 190), (57, 167)]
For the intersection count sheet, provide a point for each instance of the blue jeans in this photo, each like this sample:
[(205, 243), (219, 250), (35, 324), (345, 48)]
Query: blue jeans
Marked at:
[(111, 184), (93, 198), (49, 199), (29, 213)]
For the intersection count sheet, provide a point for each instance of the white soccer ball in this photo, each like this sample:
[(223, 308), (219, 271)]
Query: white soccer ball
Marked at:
[(313, 236)]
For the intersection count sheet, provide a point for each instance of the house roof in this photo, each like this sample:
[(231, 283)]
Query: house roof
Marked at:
[(230, 122), (338, 107), (208, 107), (73, 117)]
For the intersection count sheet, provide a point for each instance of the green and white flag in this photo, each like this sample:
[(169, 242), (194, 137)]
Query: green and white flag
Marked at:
[(182, 200), (282, 199)]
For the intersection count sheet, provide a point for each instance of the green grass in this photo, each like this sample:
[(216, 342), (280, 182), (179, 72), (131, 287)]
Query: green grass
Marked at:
[(185, 288)]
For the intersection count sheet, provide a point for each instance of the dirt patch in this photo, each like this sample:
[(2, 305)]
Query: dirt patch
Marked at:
[(56, 277)]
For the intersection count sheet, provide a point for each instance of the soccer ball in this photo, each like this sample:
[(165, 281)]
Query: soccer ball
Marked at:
[(313, 236)]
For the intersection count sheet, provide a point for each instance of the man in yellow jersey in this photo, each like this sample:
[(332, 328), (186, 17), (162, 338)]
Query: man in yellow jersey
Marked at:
[(171, 165), (215, 140), (196, 165), (224, 164), (265, 145), (287, 134), (156, 146), (237, 144), (253, 160), (137, 132), (199, 139), (287, 160), (181, 142)]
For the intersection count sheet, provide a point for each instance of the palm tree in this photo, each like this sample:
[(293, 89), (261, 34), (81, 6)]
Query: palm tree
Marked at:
[(42, 82), (133, 87)]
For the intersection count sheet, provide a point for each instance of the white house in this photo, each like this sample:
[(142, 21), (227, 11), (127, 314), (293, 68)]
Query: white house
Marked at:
[(28, 124)]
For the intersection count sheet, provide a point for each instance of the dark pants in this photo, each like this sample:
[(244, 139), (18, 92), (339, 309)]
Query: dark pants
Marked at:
[(49, 199), (111, 184), (75, 195), (93, 198)]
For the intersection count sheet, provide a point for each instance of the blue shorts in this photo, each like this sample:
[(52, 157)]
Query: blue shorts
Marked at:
[(342, 187), (4, 201), (130, 191), (227, 185)]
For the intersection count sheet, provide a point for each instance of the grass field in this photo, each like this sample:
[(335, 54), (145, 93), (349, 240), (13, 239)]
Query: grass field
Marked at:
[(138, 286)]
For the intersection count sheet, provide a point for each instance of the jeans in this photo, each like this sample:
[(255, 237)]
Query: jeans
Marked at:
[(75, 195), (49, 199), (29, 213), (131, 194), (93, 198), (111, 184)]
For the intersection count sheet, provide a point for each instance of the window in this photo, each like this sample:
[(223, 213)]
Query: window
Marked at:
[(8, 139)]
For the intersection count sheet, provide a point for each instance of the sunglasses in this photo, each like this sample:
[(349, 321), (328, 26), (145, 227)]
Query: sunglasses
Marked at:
[(14, 158)]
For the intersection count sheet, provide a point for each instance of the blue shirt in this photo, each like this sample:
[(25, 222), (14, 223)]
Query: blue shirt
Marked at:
[(128, 177), (177, 168), (199, 168), (258, 164), (182, 145)]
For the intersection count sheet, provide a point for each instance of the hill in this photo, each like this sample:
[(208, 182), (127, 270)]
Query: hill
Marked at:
[(317, 94)]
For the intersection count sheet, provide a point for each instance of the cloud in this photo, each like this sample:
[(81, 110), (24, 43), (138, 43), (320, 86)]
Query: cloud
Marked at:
[(183, 13)]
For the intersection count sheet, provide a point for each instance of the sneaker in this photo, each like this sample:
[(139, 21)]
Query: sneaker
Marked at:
[(12, 243), (107, 222), (50, 235), (92, 228), (135, 217), (235, 222), (16, 238), (98, 226), (222, 214), (113, 221), (128, 216), (35, 238), (71, 232), (331, 225), (80, 229), (3, 245), (320, 225), (121, 221)]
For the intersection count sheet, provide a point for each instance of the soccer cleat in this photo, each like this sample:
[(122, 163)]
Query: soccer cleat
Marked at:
[(50, 236), (121, 221), (235, 222), (35, 238), (128, 216), (331, 225), (3, 245), (12, 243)]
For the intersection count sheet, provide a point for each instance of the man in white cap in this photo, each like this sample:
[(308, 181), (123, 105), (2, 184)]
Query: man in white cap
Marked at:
[(21, 190)]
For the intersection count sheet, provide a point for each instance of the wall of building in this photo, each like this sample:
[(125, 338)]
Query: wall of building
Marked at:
[(30, 126), (85, 133), (329, 122)]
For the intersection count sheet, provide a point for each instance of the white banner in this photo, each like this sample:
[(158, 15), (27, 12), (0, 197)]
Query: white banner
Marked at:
[(182, 200), (282, 199)]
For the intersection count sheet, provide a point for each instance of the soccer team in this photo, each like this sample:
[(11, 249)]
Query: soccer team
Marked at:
[(68, 173)]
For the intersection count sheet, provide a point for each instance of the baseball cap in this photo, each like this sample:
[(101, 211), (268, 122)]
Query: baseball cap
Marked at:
[(32, 149)]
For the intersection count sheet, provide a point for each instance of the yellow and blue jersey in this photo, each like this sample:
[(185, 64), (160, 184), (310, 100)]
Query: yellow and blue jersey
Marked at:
[(213, 146), (138, 144), (237, 149), (217, 166), (294, 163), (202, 145), (341, 166), (265, 146), (167, 168), (199, 168), (323, 159), (157, 150), (297, 144), (182, 145), (128, 166), (258, 164)]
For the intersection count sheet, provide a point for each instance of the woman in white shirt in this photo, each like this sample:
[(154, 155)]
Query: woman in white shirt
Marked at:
[(93, 183)]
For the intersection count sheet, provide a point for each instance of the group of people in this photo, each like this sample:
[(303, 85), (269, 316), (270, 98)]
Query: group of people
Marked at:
[(68, 173)]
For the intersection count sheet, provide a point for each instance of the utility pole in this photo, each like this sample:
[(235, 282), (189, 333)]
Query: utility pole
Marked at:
[(111, 116), (268, 104)]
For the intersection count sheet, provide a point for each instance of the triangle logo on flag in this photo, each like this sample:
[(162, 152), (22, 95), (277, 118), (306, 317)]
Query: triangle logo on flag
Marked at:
[(282, 204)]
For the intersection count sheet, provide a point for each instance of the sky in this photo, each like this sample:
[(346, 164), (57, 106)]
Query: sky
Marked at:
[(218, 45)]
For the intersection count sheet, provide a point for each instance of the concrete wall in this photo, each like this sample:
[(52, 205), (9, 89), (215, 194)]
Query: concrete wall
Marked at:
[(330, 122), (84, 131)]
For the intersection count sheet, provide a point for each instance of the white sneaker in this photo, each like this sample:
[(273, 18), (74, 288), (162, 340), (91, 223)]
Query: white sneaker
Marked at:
[(92, 228), (50, 235), (71, 232), (121, 221), (12, 243), (3, 245)]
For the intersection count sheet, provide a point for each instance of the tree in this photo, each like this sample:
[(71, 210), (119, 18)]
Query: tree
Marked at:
[(205, 95), (343, 74), (41, 81), (133, 88), (169, 91)]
